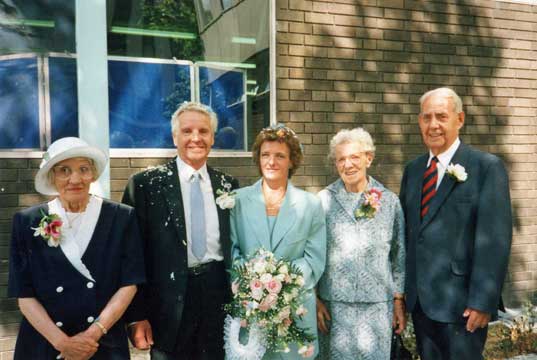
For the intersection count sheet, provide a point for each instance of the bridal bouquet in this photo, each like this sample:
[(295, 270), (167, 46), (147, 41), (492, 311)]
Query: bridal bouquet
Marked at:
[(266, 303)]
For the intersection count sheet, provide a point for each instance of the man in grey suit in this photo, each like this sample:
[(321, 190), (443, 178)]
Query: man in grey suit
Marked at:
[(458, 234)]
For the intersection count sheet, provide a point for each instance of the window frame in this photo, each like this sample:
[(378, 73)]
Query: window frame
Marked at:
[(44, 104)]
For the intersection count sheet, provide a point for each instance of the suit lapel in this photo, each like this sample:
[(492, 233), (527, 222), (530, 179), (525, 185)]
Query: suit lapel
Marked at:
[(98, 242), (445, 188), (286, 216), (171, 191), (257, 215), (216, 184), (415, 183), (340, 193)]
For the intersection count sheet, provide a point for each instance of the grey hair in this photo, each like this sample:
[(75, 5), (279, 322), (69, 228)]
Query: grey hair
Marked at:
[(447, 92), (197, 107), (357, 135)]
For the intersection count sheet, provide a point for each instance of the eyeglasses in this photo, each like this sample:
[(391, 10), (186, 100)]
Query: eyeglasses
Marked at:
[(355, 159), (65, 172)]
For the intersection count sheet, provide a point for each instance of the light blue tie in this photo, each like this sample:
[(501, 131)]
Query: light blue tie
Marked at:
[(197, 219)]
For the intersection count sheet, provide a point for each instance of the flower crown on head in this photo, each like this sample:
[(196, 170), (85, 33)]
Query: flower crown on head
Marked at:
[(279, 132)]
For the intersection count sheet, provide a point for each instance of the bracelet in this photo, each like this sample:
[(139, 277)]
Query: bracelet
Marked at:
[(101, 326)]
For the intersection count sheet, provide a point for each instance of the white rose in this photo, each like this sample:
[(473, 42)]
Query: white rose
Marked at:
[(265, 278), (283, 270), (225, 201), (259, 267), (458, 172), (299, 281), (301, 311)]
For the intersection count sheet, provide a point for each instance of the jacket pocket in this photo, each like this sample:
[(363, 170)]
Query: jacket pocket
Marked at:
[(459, 267)]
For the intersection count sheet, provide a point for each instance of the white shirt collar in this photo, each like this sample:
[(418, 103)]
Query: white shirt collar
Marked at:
[(186, 171), (445, 158)]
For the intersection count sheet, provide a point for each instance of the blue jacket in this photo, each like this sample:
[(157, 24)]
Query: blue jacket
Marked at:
[(457, 255), (299, 236), (113, 257)]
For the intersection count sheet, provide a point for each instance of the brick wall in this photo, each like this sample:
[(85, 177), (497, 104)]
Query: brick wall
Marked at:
[(346, 63)]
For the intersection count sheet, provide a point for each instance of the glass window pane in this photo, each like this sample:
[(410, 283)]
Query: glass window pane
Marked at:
[(224, 91), (142, 98), (63, 97), (228, 40), (36, 28), (19, 103)]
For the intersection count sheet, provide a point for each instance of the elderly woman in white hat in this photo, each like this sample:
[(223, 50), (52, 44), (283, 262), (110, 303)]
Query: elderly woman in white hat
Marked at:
[(75, 262)]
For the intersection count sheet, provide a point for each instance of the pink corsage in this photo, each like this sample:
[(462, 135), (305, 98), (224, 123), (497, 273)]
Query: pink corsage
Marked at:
[(49, 229), (370, 205)]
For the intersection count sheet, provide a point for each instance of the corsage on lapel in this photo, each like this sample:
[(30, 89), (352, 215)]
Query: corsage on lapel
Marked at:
[(226, 198), (371, 204), (49, 228), (457, 172)]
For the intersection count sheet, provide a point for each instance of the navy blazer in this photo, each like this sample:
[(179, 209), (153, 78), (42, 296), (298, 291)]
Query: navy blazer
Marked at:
[(158, 202), (72, 301), (457, 255)]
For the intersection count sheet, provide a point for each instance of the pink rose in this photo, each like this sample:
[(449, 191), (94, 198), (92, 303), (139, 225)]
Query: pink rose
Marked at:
[(310, 351), (287, 322), (284, 314), (53, 229), (306, 351), (268, 302), (274, 286), (255, 284)]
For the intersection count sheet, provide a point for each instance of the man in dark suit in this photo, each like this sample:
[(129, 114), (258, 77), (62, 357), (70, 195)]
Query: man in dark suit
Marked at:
[(179, 312), (458, 234)]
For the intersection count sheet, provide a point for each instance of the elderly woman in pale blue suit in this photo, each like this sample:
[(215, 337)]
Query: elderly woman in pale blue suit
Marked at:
[(360, 295), (274, 215)]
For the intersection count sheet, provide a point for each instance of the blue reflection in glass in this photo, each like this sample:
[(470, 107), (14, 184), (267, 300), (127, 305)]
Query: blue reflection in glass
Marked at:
[(63, 97), (223, 91), (142, 98), (19, 118)]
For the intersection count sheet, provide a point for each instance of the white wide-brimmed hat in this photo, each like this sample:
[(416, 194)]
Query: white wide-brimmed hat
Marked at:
[(62, 149)]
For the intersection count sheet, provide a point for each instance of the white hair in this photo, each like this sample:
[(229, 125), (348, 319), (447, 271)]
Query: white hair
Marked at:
[(197, 107), (357, 136), (447, 92)]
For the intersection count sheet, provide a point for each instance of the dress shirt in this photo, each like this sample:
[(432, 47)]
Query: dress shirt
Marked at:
[(77, 231), (212, 229), (444, 160)]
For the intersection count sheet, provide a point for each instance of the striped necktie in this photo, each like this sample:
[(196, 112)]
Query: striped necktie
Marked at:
[(429, 186)]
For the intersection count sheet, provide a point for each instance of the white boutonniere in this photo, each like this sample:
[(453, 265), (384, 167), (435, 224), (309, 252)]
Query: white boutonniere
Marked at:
[(457, 172), (226, 198), (49, 229)]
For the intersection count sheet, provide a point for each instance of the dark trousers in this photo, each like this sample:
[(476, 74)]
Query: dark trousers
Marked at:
[(446, 341), (201, 332)]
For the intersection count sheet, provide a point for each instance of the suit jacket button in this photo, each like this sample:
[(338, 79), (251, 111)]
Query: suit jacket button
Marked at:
[(59, 324), (59, 289), (89, 285), (91, 319), (180, 298)]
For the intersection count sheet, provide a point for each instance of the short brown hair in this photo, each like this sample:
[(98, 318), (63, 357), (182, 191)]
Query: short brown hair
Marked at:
[(284, 135)]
